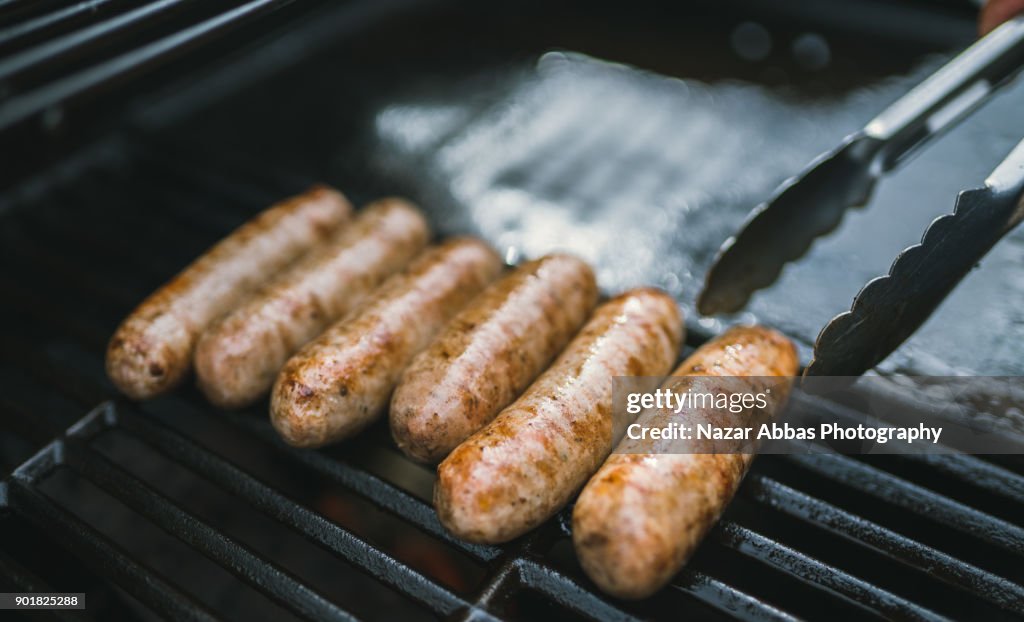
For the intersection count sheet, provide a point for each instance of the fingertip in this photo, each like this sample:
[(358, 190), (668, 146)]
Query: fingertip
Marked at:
[(995, 12)]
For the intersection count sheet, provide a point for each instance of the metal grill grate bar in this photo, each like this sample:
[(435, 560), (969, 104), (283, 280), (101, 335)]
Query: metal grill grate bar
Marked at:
[(79, 42), (367, 485), (914, 498), (11, 6), (47, 23), (94, 548), (274, 504), (848, 587), (728, 598), (21, 107), (978, 473), (991, 587), (237, 558), (565, 591), (967, 468)]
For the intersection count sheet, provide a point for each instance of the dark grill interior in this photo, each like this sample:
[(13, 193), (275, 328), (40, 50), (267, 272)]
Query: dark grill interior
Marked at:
[(172, 508)]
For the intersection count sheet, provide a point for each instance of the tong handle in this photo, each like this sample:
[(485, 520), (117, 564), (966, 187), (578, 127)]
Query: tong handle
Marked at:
[(948, 95)]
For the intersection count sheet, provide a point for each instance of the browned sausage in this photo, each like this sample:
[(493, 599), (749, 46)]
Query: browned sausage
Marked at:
[(239, 356), (489, 354), (151, 351), (522, 467), (341, 381), (642, 515)]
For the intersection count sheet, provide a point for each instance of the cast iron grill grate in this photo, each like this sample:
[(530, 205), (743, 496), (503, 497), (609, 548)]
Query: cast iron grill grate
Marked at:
[(348, 532)]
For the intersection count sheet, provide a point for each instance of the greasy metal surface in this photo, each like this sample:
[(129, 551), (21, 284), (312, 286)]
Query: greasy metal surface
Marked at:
[(645, 176)]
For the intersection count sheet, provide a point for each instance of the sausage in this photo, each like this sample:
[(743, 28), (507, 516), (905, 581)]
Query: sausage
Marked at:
[(489, 354), (341, 381), (238, 357), (522, 467), (641, 517), (151, 351)]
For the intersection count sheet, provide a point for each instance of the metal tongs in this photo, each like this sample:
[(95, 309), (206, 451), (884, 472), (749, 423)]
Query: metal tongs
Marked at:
[(890, 308), (812, 203)]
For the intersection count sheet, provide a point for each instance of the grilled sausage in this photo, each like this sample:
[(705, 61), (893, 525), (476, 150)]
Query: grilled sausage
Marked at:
[(489, 354), (522, 467), (341, 381), (239, 356), (151, 351), (642, 515)]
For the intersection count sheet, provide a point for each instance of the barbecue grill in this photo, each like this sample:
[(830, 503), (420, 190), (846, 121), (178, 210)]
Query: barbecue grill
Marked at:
[(136, 134)]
